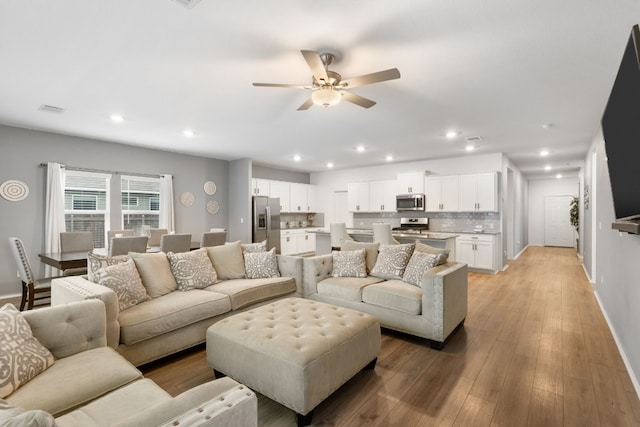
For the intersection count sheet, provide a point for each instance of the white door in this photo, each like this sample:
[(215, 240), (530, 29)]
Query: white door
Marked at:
[(341, 208), (557, 226)]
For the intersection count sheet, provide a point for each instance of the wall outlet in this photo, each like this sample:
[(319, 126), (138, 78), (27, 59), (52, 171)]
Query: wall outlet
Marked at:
[(18, 274), (241, 220)]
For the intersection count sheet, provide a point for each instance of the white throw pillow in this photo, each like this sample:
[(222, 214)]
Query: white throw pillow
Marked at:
[(392, 261), (124, 280), (13, 416), (254, 247), (261, 265), (95, 262), (21, 354), (349, 263), (418, 264), (192, 270), (444, 253)]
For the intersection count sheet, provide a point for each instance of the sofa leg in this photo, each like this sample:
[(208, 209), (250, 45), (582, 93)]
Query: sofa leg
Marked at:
[(218, 374), (437, 345), (371, 365), (304, 420)]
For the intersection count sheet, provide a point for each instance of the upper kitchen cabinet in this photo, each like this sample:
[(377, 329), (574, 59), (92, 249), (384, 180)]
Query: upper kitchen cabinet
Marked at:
[(382, 196), (479, 192), (301, 198), (410, 182), (442, 193), (280, 190), (259, 187), (358, 197)]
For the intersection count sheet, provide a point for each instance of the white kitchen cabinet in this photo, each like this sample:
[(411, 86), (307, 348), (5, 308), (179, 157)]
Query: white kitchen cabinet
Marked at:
[(312, 202), (477, 251), (382, 196), (442, 193), (306, 242), (479, 192), (288, 242), (280, 190), (298, 197), (358, 196), (410, 182), (259, 187)]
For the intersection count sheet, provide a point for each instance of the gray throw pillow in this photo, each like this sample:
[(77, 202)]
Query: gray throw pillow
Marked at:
[(13, 416), (422, 247), (370, 254), (95, 262), (192, 270), (418, 264), (261, 265), (349, 263), (125, 281), (392, 261), (254, 247)]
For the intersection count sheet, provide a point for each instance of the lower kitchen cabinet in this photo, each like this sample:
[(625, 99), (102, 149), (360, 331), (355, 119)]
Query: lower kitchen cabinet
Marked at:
[(477, 251), (294, 242)]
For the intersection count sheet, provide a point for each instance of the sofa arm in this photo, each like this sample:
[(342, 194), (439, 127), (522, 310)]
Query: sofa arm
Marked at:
[(69, 329), (444, 297), (291, 266), (222, 402), (314, 270), (75, 288)]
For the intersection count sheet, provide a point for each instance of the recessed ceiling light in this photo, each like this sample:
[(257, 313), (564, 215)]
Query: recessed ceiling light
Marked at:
[(559, 176), (360, 148), (547, 168), (470, 147), (188, 133), (330, 165), (389, 158), (544, 153), (297, 158), (117, 118), (451, 134), (547, 125)]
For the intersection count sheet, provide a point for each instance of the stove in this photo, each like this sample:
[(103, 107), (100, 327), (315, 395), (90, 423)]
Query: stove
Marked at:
[(412, 225)]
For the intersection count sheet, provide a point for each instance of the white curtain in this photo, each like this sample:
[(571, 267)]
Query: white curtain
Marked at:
[(166, 203), (54, 212)]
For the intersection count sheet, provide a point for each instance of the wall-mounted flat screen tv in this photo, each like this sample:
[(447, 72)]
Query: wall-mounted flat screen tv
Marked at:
[(621, 131)]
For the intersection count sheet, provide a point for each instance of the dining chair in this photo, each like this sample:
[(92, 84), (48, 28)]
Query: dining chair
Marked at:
[(76, 241), (155, 234), (112, 233), (180, 242), (124, 245), (216, 238), (32, 289), (338, 233), (382, 234)]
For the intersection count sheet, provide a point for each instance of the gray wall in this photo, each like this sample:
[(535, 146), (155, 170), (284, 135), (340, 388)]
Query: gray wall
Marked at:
[(617, 270), (264, 172), (23, 150), (240, 200)]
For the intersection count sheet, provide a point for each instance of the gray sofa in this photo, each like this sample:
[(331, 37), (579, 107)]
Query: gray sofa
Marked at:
[(432, 310), (176, 320), (91, 385)]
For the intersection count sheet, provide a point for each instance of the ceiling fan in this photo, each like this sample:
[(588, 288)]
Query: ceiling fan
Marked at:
[(327, 86)]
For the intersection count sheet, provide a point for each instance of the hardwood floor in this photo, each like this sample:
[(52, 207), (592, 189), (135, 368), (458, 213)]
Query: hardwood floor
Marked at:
[(535, 350)]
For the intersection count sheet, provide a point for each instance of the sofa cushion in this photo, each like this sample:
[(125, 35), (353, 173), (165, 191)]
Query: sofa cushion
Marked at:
[(394, 294), (170, 312), (83, 377), (13, 416), (22, 357), (123, 279), (392, 260), (155, 272), (244, 292), (444, 253), (254, 247), (418, 264), (347, 288), (349, 263), (96, 261), (261, 265), (192, 270), (371, 251), (228, 261)]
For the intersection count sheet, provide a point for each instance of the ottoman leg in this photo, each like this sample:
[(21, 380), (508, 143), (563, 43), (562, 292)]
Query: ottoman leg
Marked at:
[(304, 420), (371, 364)]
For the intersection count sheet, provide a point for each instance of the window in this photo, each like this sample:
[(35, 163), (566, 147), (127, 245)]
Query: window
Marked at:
[(140, 203), (86, 203)]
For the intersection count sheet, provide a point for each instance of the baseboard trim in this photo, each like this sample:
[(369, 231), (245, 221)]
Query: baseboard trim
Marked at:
[(632, 374), (520, 253), (586, 273)]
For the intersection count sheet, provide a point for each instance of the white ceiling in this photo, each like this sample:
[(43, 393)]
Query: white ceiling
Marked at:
[(497, 69)]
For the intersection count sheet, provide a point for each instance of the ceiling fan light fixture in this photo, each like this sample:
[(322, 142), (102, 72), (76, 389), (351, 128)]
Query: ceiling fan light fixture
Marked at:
[(326, 96)]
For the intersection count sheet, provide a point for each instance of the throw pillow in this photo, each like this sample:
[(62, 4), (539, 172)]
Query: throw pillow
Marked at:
[(125, 281), (22, 356), (95, 262), (418, 264), (370, 254), (349, 263), (13, 416), (192, 270), (227, 260), (254, 247), (392, 261), (155, 273), (261, 265), (444, 253)]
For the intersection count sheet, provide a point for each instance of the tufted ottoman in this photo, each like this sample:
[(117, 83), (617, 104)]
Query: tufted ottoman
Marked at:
[(294, 351)]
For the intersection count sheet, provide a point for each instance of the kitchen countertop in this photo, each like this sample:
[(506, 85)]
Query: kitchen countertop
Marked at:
[(491, 232), (433, 235)]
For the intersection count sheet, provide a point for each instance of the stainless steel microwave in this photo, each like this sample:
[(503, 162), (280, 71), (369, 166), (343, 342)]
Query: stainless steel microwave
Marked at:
[(410, 202)]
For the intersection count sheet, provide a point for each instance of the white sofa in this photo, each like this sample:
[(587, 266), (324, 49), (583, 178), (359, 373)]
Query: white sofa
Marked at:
[(432, 310), (91, 385), (178, 320)]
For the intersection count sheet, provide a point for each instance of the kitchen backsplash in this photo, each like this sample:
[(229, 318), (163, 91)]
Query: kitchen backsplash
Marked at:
[(451, 221), (301, 220)]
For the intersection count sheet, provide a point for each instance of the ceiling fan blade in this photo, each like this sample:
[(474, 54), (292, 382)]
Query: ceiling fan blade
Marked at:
[(315, 63), (306, 105), (281, 85), (357, 99), (367, 79)]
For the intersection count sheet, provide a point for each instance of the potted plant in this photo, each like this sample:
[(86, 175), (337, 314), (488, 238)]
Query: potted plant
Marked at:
[(574, 216)]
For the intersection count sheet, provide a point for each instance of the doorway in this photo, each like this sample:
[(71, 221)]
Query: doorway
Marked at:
[(558, 230)]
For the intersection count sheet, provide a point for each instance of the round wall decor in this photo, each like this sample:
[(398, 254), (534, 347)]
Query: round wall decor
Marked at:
[(210, 188), (14, 190), (187, 199), (213, 207)]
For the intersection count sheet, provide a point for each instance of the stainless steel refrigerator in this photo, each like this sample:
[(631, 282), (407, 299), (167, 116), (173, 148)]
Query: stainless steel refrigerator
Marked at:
[(266, 221)]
